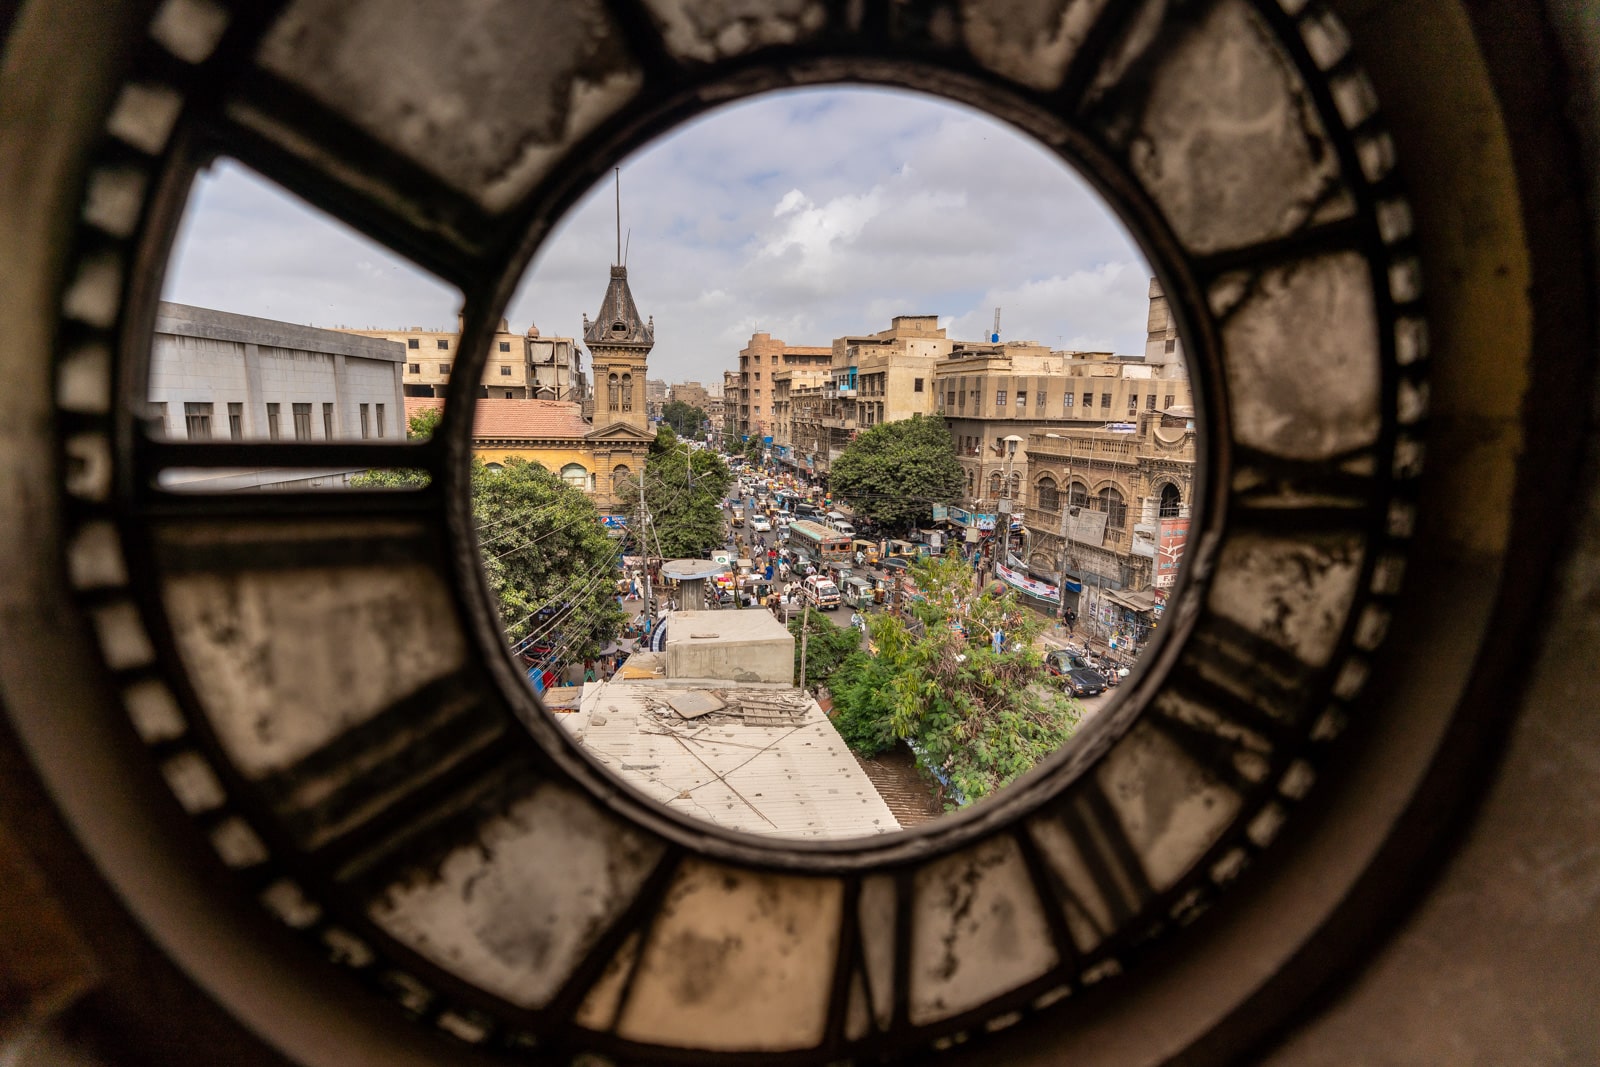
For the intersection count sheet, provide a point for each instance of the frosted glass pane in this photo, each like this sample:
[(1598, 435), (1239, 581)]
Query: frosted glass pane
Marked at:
[(283, 661), (483, 93), (1031, 43), (715, 29), (1295, 592), (1171, 810), (737, 961), (1228, 143), (979, 931), (1301, 355), (499, 914)]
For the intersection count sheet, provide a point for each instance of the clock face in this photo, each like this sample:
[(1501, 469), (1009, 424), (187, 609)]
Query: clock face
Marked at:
[(319, 677)]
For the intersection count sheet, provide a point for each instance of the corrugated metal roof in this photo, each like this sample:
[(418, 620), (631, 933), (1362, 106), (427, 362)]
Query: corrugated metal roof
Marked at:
[(770, 763)]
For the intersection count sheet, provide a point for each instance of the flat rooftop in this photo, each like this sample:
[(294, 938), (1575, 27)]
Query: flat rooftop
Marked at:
[(727, 626), (762, 759)]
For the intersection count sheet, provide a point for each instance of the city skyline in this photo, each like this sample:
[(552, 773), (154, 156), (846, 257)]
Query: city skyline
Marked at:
[(882, 203)]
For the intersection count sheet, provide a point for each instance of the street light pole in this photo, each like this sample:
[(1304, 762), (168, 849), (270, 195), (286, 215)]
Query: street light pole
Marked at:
[(1003, 513)]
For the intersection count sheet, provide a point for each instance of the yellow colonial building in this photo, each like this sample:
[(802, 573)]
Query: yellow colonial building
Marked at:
[(604, 457)]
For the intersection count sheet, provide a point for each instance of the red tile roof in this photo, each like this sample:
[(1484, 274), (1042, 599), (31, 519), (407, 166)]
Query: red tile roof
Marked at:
[(501, 420)]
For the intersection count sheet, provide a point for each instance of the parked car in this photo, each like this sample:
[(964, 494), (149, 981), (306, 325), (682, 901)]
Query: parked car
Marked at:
[(1081, 679)]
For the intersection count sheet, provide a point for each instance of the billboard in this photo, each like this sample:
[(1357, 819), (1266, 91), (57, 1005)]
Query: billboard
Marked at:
[(1031, 586), (1169, 551)]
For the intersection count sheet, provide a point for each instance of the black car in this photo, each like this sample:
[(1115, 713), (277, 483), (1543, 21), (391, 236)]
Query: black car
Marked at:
[(1082, 680)]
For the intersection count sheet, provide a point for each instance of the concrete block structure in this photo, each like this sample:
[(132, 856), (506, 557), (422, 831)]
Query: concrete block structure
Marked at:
[(743, 646)]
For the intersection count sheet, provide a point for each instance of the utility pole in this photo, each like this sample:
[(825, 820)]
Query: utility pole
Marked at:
[(805, 628), (644, 554)]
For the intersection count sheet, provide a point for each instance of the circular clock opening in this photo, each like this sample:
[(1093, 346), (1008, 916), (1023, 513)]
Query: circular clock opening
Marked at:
[(858, 473)]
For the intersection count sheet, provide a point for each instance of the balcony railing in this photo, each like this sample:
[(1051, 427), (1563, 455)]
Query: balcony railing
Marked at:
[(1040, 519)]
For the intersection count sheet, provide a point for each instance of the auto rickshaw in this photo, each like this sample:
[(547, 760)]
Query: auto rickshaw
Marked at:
[(858, 593), (867, 549), (902, 550)]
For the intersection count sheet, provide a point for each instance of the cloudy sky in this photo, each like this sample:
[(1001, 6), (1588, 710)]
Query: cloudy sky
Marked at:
[(808, 215)]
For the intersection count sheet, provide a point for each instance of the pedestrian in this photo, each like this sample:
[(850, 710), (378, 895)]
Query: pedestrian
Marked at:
[(1072, 619)]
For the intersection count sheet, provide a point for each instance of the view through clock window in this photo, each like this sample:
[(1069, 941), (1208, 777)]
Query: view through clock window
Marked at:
[(876, 478), (819, 492)]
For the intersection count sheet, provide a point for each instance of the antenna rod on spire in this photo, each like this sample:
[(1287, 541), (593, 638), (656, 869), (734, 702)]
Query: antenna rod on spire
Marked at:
[(626, 242), (617, 174)]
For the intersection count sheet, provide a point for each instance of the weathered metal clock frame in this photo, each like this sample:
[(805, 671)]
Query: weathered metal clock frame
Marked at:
[(1302, 533)]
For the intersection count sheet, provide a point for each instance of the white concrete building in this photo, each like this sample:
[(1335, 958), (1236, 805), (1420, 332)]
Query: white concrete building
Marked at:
[(215, 375)]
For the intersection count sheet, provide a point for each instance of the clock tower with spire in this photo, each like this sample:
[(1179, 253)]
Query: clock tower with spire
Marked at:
[(619, 342)]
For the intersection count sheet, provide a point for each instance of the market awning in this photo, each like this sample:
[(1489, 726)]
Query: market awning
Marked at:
[(1144, 600)]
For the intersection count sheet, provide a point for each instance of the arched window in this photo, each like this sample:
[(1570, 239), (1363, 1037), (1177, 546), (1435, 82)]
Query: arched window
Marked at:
[(1047, 495), (1014, 490), (994, 484), (613, 394), (627, 392), (969, 482), (497, 468), (1110, 501), (1077, 495), (575, 475), (1171, 501), (621, 480)]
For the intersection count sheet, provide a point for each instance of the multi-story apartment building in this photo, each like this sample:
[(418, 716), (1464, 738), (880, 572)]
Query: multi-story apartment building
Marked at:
[(872, 378), (525, 366), (751, 397), (989, 392), (784, 383), (1106, 509), (692, 393), (730, 408)]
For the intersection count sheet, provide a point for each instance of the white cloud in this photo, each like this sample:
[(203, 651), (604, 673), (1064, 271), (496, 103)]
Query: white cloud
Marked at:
[(809, 215), (1097, 304)]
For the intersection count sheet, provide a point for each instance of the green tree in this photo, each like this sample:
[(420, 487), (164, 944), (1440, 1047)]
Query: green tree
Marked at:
[(976, 718), (685, 419), (827, 646), (683, 490), (892, 473), (421, 426), (753, 450), (862, 712), (550, 563)]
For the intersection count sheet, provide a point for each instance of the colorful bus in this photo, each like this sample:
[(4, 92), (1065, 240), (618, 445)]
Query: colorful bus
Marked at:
[(823, 545)]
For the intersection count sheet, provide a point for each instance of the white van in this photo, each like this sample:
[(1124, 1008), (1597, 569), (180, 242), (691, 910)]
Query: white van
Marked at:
[(821, 593)]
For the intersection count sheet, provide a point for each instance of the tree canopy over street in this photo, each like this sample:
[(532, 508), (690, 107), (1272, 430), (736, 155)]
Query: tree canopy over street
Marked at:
[(827, 646), (892, 473), (548, 559), (685, 419), (683, 490), (976, 718)]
